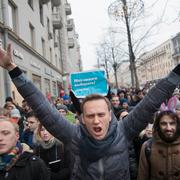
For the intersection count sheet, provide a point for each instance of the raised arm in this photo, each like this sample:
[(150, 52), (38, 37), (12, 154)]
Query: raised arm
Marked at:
[(138, 119), (56, 124)]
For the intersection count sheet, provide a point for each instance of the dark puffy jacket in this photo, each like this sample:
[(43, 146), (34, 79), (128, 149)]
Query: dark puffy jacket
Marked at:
[(115, 164), (133, 162), (28, 167)]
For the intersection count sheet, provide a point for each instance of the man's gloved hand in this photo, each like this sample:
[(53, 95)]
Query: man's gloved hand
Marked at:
[(177, 69)]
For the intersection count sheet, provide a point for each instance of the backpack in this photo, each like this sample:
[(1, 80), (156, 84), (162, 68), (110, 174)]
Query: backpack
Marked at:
[(148, 147)]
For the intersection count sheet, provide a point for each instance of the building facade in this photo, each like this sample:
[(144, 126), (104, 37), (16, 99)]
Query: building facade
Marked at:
[(176, 47), (37, 30), (124, 75), (158, 62), (152, 65)]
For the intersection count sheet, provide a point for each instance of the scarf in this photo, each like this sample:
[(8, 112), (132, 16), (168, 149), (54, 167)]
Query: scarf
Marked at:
[(91, 149), (47, 145), (8, 160)]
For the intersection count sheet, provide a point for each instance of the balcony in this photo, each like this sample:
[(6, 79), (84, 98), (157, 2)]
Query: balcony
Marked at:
[(70, 24), (56, 2), (44, 1), (70, 42), (57, 21), (68, 9)]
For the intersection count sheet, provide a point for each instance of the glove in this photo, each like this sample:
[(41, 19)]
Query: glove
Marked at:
[(177, 69)]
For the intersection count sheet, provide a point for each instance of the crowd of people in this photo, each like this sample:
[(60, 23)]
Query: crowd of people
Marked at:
[(130, 135)]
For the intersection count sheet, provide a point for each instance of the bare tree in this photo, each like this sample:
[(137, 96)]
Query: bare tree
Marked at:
[(110, 55), (132, 18)]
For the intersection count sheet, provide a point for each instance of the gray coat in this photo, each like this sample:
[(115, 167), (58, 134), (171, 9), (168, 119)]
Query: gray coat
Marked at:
[(115, 164)]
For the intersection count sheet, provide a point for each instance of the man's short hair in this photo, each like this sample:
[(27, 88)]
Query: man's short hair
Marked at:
[(93, 97), (115, 96), (30, 114), (9, 99)]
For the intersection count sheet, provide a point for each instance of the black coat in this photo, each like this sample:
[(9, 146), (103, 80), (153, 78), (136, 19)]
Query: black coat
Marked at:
[(56, 159), (28, 167)]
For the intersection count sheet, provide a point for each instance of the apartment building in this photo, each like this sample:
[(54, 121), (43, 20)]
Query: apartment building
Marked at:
[(158, 62), (176, 48), (37, 30)]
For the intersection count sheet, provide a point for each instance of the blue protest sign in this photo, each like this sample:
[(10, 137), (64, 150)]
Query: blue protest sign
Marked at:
[(89, 82)]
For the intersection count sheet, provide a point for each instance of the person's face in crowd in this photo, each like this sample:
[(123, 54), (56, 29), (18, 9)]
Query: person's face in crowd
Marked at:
[(168, 128), (96, 118), (8, 137), (66, 102), (9, 103), (32, 123), (125, 105), (115, 101), (121, 95), (178, 112), (129, 97), (62, 112), (45, 135), (23, 105), (26, 107), (134, 97), (8, 109), (140, 95)]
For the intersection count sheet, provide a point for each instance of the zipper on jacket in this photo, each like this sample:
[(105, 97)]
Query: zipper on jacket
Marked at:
[(101, 169)]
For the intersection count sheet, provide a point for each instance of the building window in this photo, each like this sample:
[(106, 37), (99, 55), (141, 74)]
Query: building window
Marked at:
[(54, 89), (36, 81), (48, 25), (43, 47), (50, 52), (12, 12), (47, 86), (32, 35), (41, 13), (56, 60), (50, 34), (30, 2)]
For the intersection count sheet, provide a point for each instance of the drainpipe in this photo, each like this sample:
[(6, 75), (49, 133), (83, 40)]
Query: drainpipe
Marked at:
[(7, 81)]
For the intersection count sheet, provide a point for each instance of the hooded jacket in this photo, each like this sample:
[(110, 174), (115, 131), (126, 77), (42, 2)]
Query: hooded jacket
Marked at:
[(163, 162), (114, 164)]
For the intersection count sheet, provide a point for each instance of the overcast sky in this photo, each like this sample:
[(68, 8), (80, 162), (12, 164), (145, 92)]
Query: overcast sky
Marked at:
[(92, 21)]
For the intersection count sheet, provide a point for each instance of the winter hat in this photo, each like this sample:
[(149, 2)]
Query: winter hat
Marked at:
[(65, 97), (61, 106), (15, 113)]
